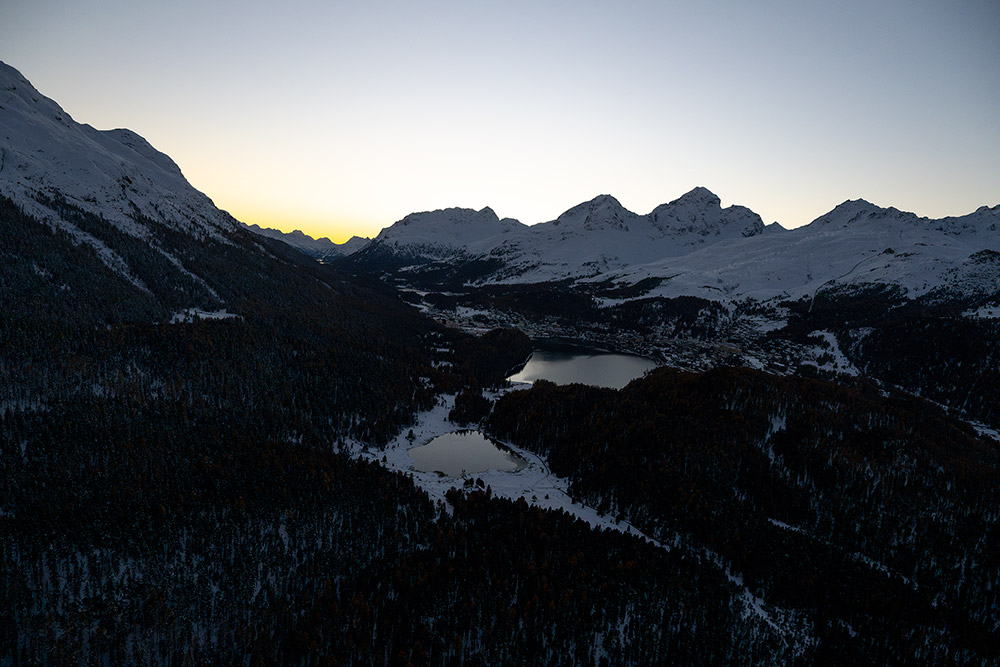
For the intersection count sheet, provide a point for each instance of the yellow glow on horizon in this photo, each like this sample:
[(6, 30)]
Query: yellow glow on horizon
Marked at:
[(338, 232), (341, 132)]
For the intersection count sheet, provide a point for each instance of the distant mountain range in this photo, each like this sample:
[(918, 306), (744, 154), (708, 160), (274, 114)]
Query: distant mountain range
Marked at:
[(691, 246), (694, 247), (321, 248)]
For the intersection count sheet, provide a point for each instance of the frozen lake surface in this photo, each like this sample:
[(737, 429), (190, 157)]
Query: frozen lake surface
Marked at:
[(461, 452), (600, 369)]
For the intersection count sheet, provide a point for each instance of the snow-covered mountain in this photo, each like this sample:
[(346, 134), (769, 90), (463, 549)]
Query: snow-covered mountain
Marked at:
[(53, 168), (693, 247), (108, 190), (321, 248), (600, 236), (45, 155), (856, 244), (442, 234), (587, 240)]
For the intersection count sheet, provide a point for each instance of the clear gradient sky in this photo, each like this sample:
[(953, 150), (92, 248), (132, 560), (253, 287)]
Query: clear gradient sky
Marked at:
[(340, 118)]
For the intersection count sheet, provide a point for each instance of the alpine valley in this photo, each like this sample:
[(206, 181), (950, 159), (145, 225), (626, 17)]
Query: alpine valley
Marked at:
[(204, 429)]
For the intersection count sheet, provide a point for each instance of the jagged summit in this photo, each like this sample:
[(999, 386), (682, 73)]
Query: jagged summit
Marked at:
[(603, 211), (852, 207), (699, 196), (448, 216), (861, 211), (590, 238), (700, 213), (321, 248), (438, 234), (775, 228)]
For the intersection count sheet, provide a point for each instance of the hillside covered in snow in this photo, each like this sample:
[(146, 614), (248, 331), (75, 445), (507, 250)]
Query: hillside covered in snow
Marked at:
[(47, 158)]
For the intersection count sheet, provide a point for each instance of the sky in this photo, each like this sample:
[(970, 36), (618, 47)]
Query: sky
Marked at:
[(339, 118)]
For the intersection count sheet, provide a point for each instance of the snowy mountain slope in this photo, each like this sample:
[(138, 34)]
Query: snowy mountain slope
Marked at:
[(321, 248), (48, 160), (856, 244), (440, 234)]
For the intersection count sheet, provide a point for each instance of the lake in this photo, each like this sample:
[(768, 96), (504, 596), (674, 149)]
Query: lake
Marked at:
[(567, 365), (463, 452)]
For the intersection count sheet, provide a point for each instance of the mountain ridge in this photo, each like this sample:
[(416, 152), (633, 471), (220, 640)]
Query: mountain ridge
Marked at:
[(318, 248), (695, 247)]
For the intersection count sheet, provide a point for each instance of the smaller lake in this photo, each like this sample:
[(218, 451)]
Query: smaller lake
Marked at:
[(463, 452), (599, 369)]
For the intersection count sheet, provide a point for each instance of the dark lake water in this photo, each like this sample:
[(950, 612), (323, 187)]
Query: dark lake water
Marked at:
[(463, 452), (600, 369)]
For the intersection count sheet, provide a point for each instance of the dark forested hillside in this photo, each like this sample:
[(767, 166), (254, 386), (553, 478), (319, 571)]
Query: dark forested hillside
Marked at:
[(926, 347), (175, 489), (168, 484), (208, 439), (874, 516), (499, 582), (177, 483)]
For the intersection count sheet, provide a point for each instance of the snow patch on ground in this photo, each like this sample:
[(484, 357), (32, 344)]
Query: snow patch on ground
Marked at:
[(983, 312), (468, 313), (827, 355), (764, 324), (195, 314), (985, 431), (783, 525), (106, 255), (180, 267)]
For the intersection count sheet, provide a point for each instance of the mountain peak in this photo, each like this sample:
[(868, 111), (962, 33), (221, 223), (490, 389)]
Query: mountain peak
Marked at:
[(856, 205), (854, 211), (699, 196), (437, 234), (449, 216), (603, 211), (605, 200), (699, 214)]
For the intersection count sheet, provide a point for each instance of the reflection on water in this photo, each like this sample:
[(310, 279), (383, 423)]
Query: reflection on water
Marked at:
[(600, 369), (463, 452)]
